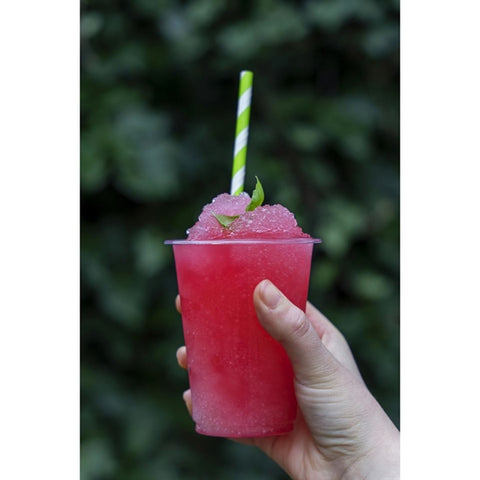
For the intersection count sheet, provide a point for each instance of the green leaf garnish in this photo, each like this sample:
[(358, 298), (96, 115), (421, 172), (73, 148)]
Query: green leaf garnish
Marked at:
[(257, 197), (225, 220)]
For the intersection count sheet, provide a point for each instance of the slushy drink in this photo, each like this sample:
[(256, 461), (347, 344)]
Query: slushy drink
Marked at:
[(240, 377)]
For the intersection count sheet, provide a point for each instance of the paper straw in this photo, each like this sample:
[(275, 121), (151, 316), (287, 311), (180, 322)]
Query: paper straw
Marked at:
[(241, 132)]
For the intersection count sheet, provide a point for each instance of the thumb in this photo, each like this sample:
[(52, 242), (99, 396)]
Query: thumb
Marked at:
[(313, 365)]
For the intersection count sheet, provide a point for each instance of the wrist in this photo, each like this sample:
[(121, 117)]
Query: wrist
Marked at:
[(382, 462)]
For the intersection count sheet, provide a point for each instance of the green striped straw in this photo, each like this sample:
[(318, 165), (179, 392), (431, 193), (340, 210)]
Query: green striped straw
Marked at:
[(241, 132)]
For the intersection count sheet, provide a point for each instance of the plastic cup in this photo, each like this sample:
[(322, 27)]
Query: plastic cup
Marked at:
[(240, 377)]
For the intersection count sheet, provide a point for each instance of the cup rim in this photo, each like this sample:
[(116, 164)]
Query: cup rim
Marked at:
[(247, 241)]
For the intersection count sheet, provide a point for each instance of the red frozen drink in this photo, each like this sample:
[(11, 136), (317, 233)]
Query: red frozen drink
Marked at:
[(240, 377)]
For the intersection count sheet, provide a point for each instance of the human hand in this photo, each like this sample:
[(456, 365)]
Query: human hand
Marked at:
[(341, 432)]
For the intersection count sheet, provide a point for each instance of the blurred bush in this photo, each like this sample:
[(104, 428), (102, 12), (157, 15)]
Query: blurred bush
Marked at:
[(159, 83)]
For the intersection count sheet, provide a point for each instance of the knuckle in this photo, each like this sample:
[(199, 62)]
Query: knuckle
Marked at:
[(299, 324)]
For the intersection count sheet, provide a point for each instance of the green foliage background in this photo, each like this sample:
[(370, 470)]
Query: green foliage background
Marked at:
[(159, 83)]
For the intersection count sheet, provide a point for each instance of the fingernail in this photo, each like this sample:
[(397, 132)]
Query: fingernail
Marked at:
[(271, 295)]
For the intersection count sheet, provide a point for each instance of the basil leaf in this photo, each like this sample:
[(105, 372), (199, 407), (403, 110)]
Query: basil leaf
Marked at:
[(257, 197), (225, 220)]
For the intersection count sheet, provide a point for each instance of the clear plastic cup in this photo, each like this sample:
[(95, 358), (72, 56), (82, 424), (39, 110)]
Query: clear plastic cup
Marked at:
[(240, 377)]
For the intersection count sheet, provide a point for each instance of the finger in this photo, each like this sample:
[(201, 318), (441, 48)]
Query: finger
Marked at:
[(320, 322), (333, 339), (182, 357), (187, 398), (177, 304), (313, 364)]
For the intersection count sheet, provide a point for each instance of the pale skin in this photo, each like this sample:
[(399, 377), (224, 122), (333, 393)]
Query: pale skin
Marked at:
[(341, 431)]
